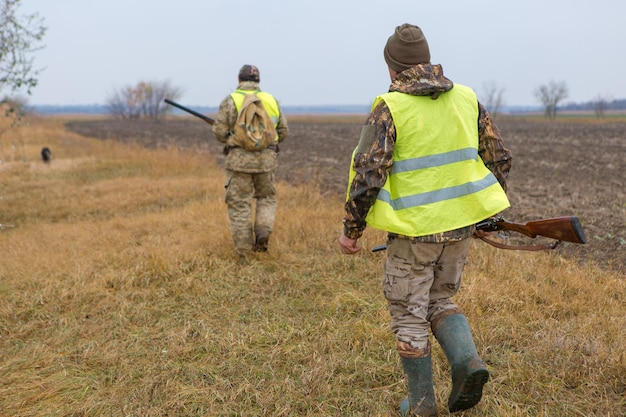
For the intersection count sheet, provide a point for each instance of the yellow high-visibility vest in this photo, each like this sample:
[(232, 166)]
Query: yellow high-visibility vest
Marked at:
[(269, 103), (437, 182)]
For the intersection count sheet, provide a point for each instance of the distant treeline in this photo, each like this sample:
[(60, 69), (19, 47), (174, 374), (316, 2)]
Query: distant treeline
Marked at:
[(330, 109), (47, 109), (102, 109), (591, 105)]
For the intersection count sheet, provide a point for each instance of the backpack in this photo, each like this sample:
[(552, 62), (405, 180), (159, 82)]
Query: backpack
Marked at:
[(254, 129)]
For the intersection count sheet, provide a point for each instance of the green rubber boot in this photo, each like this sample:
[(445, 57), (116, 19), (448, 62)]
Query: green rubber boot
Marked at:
[(421, 399), (469, 372)]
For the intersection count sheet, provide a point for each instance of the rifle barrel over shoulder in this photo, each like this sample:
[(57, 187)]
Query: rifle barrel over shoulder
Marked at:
[(188, 110)]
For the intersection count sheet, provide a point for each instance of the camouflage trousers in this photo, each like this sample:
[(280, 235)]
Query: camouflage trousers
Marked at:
[(419, 280), (243, 191)]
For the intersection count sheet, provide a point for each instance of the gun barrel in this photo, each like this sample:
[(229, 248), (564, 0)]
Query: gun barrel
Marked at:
[(379, 248), (188, 110)]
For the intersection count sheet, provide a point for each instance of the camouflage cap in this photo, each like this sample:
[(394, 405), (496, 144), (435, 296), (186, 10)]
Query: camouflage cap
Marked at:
[(406, 48), (249, 73)]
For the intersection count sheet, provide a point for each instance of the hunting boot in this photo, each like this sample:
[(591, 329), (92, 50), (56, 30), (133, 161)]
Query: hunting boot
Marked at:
[(421, 399), (469, 372), (261, 243)]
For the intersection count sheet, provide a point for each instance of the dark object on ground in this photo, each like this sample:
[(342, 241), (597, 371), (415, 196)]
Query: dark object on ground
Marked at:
[(46, 155)]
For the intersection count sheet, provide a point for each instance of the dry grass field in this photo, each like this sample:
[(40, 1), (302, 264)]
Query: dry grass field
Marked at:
[(120, 294), (570, 167)]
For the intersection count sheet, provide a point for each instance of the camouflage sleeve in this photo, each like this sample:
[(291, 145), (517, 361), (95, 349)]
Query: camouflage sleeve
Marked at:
[(372, 163), (281, 128), (495, 155), (225, 120)]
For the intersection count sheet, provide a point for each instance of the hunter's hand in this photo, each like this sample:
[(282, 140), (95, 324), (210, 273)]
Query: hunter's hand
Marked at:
[(348, 246)]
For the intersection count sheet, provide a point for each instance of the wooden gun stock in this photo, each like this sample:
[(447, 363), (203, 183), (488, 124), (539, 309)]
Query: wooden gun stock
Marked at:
[(188, 110), (566, 228)]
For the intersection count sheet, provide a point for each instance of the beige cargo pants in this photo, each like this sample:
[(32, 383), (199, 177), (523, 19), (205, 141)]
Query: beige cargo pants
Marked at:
[(243, 191), (419, 280)]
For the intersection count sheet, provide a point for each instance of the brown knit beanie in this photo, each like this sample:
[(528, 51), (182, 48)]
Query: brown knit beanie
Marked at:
[(249, 73), (406, 48)]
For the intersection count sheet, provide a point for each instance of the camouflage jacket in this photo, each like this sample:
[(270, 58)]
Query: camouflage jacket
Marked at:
[(372, 166), (239, 159)]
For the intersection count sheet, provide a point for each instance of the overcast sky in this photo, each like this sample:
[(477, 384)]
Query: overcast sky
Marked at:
[(324, 51)]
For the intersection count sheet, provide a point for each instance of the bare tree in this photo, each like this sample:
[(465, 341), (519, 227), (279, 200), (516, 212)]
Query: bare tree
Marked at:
[(550, 95), (154, 94), (20, 36), (144, 100), (493, 98), (123, 103), (600, 104)]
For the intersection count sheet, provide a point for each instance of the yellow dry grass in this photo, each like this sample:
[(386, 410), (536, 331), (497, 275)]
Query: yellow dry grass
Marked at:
[(120, 295)]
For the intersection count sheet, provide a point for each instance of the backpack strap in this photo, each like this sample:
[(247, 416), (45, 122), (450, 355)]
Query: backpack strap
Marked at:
[(236, 93)]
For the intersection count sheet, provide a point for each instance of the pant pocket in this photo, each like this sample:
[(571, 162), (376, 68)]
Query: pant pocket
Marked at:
[(396, 280)]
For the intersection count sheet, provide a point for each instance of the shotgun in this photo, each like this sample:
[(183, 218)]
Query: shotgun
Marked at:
[(565, 228), (188, 110)]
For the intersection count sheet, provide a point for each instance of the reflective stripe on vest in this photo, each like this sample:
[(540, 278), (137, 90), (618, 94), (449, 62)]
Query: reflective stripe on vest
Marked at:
[(269, 103), (437, 182)]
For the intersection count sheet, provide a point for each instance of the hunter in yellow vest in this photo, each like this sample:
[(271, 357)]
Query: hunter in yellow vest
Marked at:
[(430, 163), (250, 188), (435, 185)]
